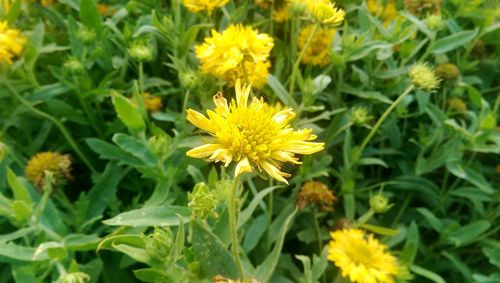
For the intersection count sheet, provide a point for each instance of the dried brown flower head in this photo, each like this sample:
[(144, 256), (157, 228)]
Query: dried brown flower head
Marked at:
[(316, 193)]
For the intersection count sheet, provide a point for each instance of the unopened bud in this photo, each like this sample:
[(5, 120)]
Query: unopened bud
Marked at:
[(159, 243), (202, 201), (86, 35), (379, 203), (141, 53), (360, 116), (73, 65), (422, 76)]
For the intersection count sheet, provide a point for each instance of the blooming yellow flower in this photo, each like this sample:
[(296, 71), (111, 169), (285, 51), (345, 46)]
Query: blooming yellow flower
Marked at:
[(237, 53), (362, 259), (255, 135), (387, 12), (318, 50), (196, 6), (11, 43), (58, 164), (325, 12), (152, 103)]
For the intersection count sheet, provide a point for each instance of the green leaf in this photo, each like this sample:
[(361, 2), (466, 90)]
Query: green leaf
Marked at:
[(137, 254), (493, 255), (372, 161), (248, 211), (128, 239), (453, 41), (80, 242), (426, 273), (127, 113), (380, 230), (135, 147), (151, 216), (470, 175), (149, 274), (255, 232), (17, 234), (54, 250), (372, 95), (280, 91), (418, 23), (265, 270), (411, 245), (14, 11), (22, 211), (112, 152), (13, 251), (435, 223), (19, 190), (90, 15), (469, 233), (104, 190), (210, 252)]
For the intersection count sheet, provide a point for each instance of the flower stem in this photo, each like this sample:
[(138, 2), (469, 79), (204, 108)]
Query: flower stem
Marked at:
[(56, 122), (317, 230), (235, 248), (295, 68), (380, 121)]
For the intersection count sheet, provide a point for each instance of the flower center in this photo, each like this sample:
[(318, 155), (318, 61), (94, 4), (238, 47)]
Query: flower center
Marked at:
[(360, 254)]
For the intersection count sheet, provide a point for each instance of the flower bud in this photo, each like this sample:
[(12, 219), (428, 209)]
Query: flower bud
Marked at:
[(447, 72), (379, 203), (434, 22), (188, 79), (86, 35), (159, 144), (73, 65), (73, 277), (422, 76), (202, 201), (141, 53), (457, 105), (159, 243), (360, 116)]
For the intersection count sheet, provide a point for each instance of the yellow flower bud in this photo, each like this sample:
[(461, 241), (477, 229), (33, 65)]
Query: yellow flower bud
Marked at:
[(422, 76), (379, 203)]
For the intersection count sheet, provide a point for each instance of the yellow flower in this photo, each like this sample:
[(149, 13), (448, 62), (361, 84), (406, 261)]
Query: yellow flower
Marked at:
[(387, 12), (11, 43), (362, 259), (318, 50), (152, 103), (58, 164), (254, 135), (196, 6), (237, 53), (325, 12)]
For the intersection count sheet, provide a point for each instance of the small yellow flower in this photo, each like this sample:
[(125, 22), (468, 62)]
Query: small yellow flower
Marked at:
[(325, 12), (318, 50), (11, 43), (152, 103), (58, 164), (387, 12), (254, 135), (196, 6), (361, 259), (316, 193), (423, 76), (237, 53)]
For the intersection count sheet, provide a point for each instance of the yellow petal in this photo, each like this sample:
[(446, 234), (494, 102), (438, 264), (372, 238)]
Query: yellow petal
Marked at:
[(200, 121), (284, 116), (221, 104), (274, 172), (304, 147), (242, 93), (222, 154), (203, 151), (242, 167)]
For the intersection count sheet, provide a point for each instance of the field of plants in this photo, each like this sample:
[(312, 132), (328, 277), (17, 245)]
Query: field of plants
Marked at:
[(249, 141)]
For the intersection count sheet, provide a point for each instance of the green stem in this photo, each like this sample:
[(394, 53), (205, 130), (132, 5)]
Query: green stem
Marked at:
[(141, 78), (365, 217), (317, 230), (295, 68), (56, 122), (380, 121), (235, 248)]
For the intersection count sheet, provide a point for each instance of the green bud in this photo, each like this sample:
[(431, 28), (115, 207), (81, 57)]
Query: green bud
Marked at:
[(86, 35), (297, 9), (159, 243), (379, 203), (202, 201), (434, 22), (73, 65), (188, 79), (360, 116), (74, 277), (141, 53), (159, 144), (422, 76)]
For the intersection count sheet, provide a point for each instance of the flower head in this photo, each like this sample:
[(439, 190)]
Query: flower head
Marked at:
[(447, 71), (314, 192), (152, 103), (318, 50), (11, 43), (254, 134), (325, 12), (196, 6), (202, 201), (58, 164), (423, 76), (423, 7), (237, 53), (362, 259), (385, 9)]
